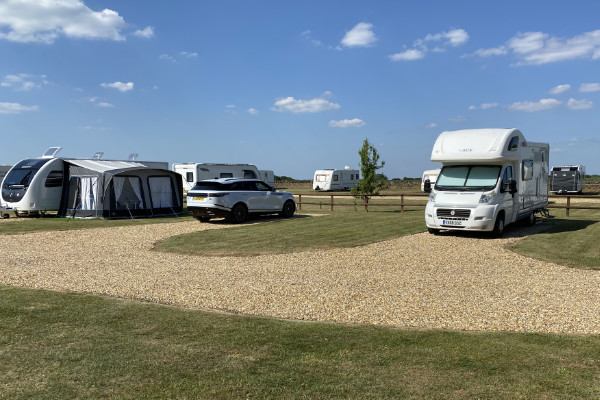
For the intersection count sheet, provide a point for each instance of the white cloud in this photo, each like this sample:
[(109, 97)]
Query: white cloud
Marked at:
[(45, 21), (361, 35), (24, 82), (580, 104), (122, 87), (484, 53), (290, 104), (104, 104), (145, 33), (252, 111), (452, 38), (166, 57), (455, 37), (347, 123), (532, 106), (431, 126), (15, 108), (458, 118), (589, 87), (483, 106), (408, 55), (188, 54), (536, 48), (560, 89)]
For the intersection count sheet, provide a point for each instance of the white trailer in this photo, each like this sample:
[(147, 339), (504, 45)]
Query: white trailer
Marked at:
[(335, 179), (267, 176), (430, 175), (489, 179), (195, 172), (567, 179)]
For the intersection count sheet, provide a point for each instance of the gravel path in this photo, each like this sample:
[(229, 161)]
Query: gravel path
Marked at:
[(420, 281)]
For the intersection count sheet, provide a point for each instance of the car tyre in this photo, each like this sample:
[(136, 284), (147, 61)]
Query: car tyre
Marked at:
[(498, 226), (238, 214), (288, 209)]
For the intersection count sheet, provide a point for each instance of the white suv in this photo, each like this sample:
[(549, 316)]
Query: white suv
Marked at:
[(236, 198)]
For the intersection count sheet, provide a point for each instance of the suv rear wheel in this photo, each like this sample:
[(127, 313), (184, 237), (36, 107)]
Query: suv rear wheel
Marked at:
[(238, 214)]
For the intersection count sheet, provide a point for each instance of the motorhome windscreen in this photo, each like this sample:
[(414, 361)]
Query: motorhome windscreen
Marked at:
[(468, 177), (23, 172)]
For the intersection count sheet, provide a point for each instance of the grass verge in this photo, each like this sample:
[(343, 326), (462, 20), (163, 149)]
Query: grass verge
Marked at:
[(338, 229), (57, 345)]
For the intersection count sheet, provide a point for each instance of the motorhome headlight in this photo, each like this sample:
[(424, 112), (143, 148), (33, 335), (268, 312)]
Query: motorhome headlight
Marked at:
[(487, 197), (432, 197)]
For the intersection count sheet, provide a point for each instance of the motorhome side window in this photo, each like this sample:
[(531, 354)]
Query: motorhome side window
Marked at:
[(527, 170), (54, 179), (189, 176), (513, 144)]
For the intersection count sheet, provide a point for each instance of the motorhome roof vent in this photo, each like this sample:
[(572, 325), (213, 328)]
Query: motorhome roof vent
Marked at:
[(51, 152), (98, 155), (132, 157)]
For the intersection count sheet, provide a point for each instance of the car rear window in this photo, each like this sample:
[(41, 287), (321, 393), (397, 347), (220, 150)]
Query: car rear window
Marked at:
[(210, 186)]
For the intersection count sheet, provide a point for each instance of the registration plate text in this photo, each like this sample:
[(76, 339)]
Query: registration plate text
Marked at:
[(451, 222)]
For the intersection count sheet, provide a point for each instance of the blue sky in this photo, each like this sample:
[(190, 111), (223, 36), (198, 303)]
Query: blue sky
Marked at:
[(295, 86)]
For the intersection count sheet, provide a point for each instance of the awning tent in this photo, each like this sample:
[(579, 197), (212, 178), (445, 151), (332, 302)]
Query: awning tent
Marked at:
[(119, 189)]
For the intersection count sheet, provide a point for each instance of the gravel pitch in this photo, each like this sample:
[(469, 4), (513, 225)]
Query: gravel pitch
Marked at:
[(420, 281)]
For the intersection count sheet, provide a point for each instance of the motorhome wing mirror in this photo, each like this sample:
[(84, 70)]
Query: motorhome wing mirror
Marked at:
[(512, 184), (427, 186)]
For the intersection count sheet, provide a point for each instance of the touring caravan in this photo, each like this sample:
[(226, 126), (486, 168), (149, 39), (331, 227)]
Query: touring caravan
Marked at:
[(567, 179), (267, 176), (489, 179), (35, 185), (335, 179), (430, 175), (195, 172)]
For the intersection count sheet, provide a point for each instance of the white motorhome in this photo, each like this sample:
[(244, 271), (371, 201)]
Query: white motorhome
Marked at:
[(490, 178), (35, 185), (267, 176), (431, 175), (335, 179), (567, 179), (195, 172)]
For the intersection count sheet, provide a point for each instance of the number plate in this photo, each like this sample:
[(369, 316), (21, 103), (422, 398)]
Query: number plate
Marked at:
[(450, 222), (199, 198)]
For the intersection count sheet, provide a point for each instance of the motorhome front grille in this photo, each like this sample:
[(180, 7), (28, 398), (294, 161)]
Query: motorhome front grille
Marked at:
[(453, 213)]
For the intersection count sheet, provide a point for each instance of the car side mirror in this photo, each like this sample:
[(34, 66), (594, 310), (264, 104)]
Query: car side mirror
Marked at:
[(427, 186)]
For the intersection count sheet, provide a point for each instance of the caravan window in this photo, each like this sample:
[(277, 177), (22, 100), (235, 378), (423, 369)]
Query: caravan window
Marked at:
[(513, 144), (22, 173), (189, 176), (248, 174), (54, 179), (335, 178), (321, 178), (226, 175), (161, 191)]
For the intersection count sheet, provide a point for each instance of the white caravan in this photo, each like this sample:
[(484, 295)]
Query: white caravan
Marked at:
[(35, 185), (490, 178), (195, 172), (431, 175), (335, 179), (567, 179), (267, 176)]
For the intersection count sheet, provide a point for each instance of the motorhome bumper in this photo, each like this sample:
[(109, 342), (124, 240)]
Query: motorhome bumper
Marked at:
[(481, 218)]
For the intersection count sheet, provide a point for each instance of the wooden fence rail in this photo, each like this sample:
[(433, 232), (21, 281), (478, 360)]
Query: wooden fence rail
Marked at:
[(362, 201)]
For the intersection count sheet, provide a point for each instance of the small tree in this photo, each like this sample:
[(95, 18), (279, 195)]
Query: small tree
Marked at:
[(370, 182)]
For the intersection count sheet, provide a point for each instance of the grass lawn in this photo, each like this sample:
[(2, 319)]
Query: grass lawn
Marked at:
[(61, 345)]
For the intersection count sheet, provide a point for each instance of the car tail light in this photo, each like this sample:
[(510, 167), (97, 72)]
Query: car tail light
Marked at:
[(217, 194)]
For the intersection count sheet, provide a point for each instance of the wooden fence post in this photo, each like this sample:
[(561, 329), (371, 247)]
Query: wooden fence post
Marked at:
[(331, 202), (401, 204), (366, 203), (300, 202), (568, 204)]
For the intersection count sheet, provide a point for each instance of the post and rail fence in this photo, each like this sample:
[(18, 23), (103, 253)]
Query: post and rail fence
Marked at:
[(407, 200)]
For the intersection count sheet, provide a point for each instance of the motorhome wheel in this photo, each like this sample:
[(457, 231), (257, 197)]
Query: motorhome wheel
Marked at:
[(498, 226)]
